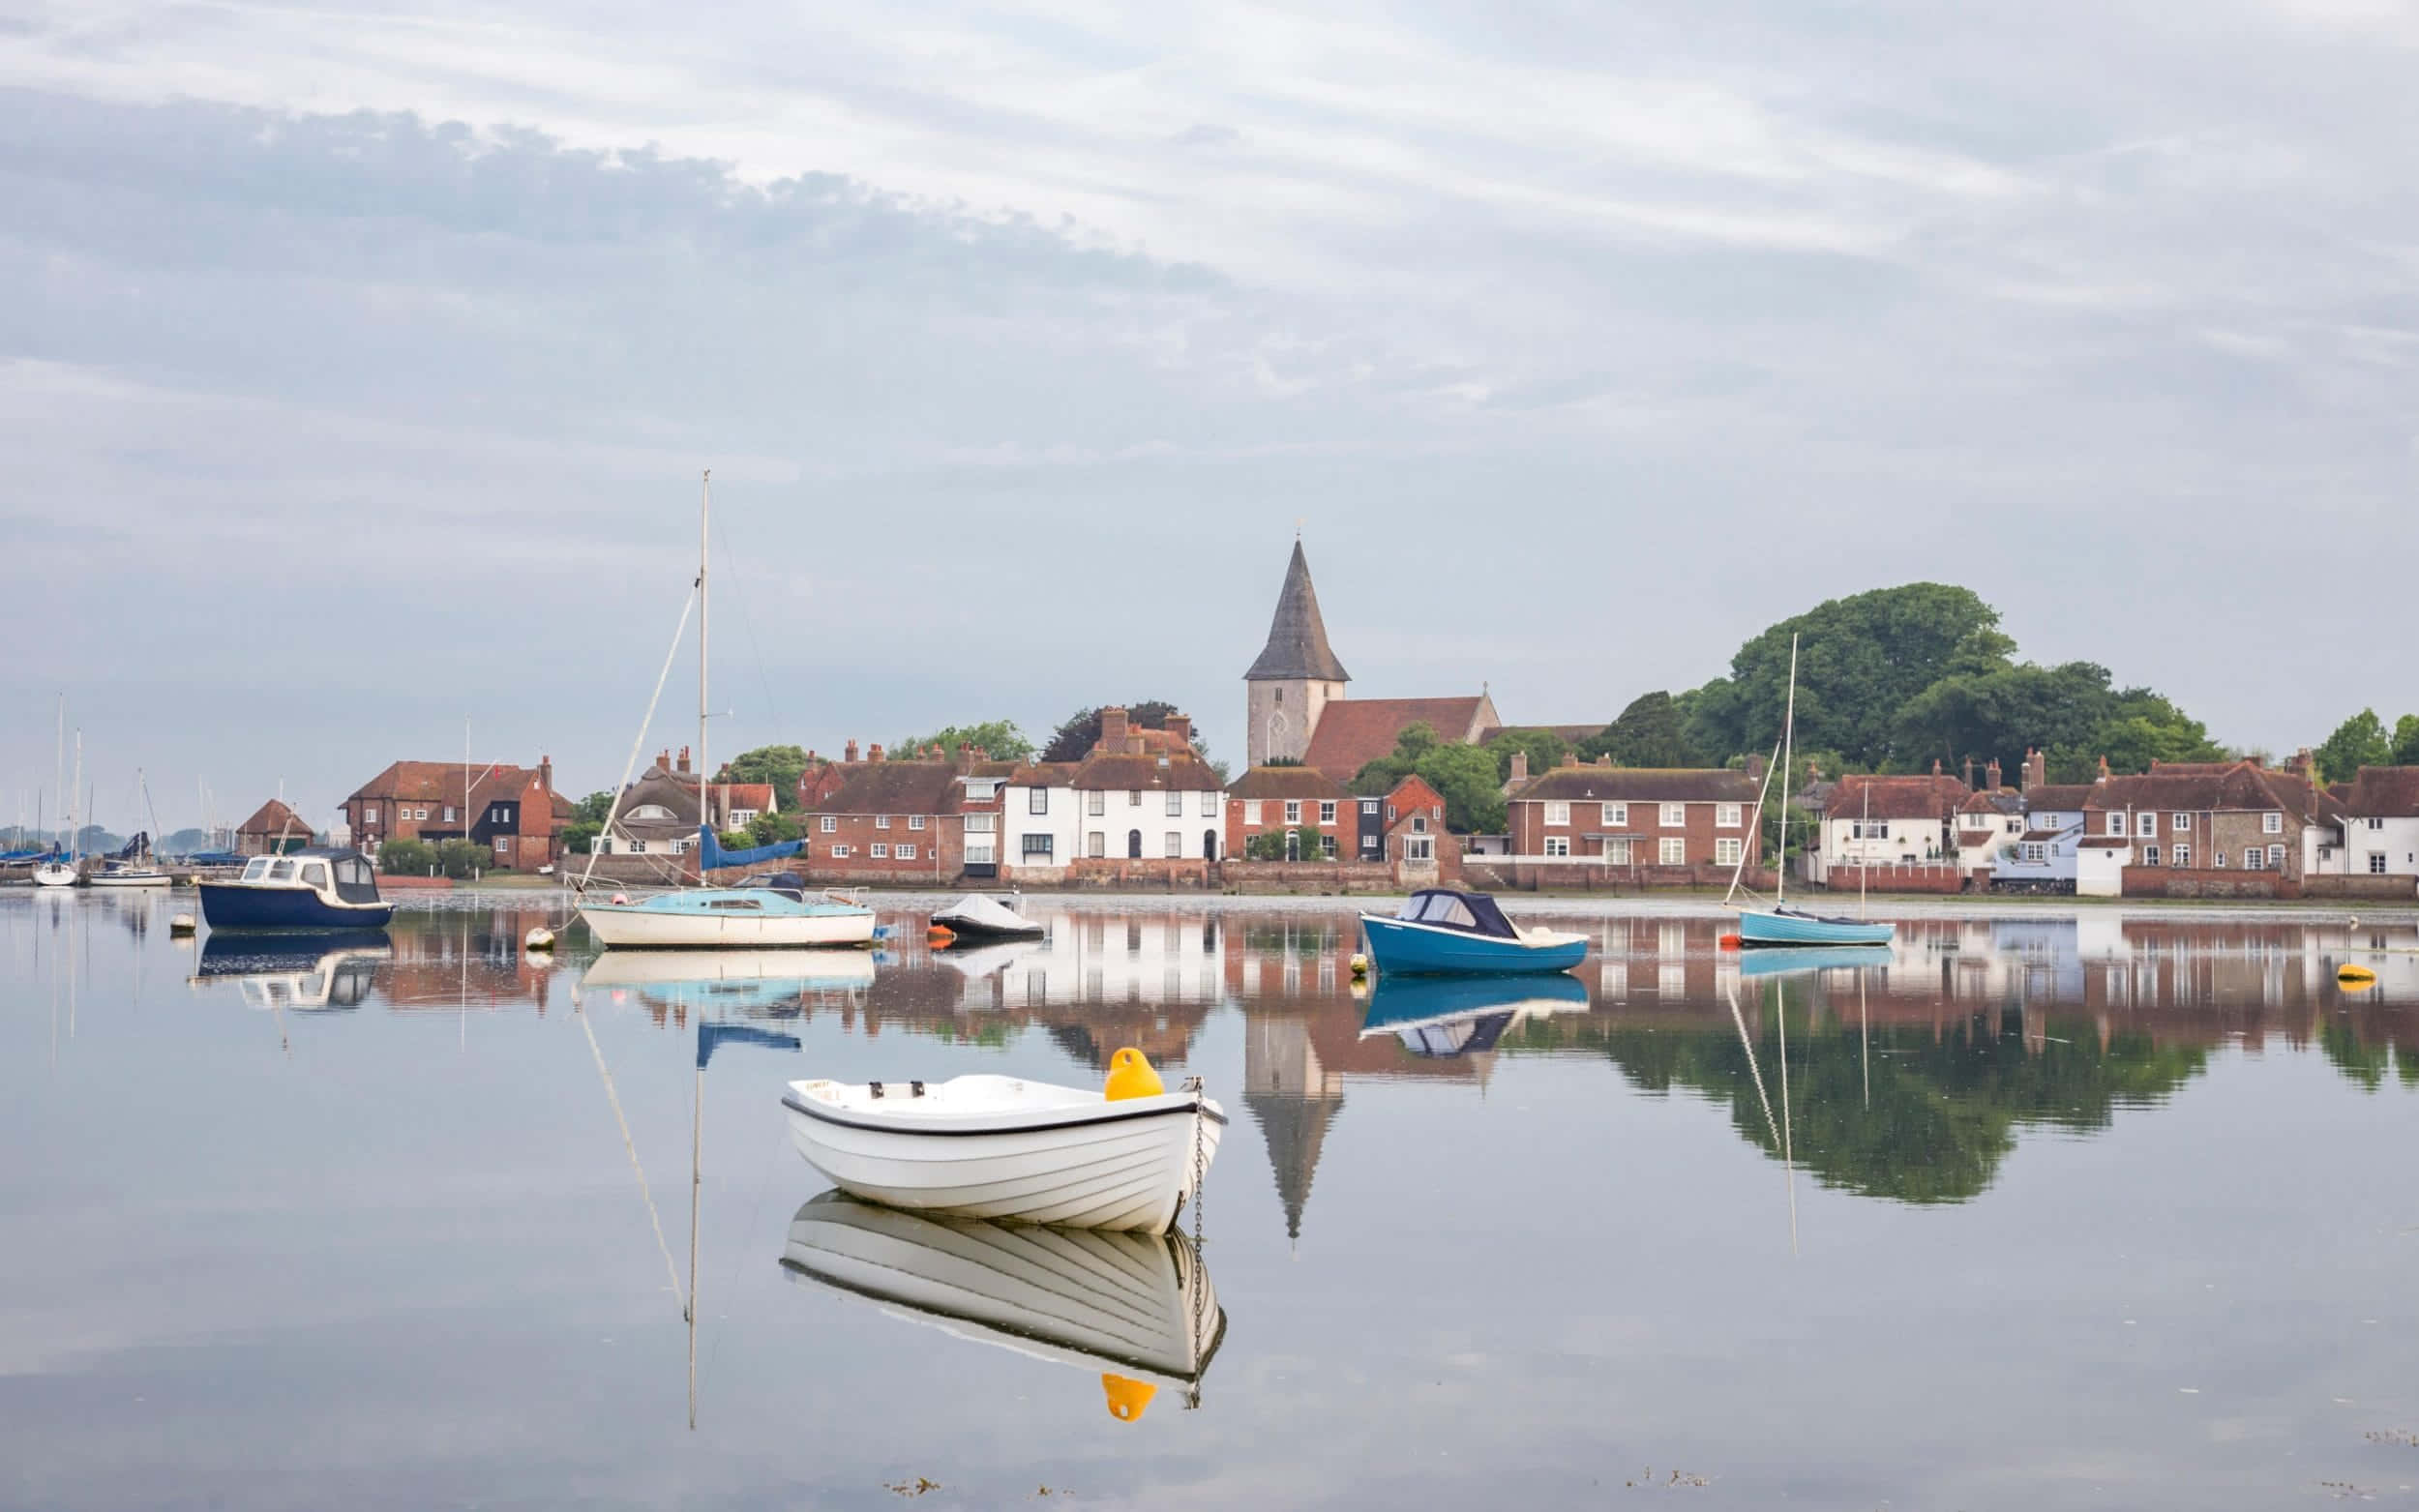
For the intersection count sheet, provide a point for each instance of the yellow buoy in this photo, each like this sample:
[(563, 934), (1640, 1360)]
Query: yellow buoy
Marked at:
[(1360, 966), (2355, 976), (1127, 1398), (1130, 1076), (538, 940)]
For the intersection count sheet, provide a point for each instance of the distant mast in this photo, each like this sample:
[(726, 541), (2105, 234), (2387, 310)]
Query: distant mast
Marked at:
[(705, 507)]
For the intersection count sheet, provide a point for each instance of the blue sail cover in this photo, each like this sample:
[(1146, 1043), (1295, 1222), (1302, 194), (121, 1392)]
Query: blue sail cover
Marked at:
[(712, 857), (710, 1035)]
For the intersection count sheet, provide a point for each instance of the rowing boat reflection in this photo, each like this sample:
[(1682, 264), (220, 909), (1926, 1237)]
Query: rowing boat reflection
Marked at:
[(1139, 1304), (1444, 1016), (331, 971), (1790, 959), (724, 983)]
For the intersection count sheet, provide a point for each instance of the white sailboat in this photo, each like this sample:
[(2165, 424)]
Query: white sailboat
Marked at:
[(1780, 924), (720, 918), (62, 871)]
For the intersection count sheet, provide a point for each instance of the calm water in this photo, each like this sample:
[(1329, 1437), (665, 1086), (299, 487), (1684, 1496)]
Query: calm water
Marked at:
[(2045, 1212)]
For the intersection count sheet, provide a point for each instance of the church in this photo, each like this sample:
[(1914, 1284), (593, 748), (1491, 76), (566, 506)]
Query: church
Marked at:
[(1296, 710)]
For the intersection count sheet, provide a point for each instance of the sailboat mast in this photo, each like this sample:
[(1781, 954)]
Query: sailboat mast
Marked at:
[(58, 763), (706, 506), (1788, 759), (71, 813), (1863, 852)]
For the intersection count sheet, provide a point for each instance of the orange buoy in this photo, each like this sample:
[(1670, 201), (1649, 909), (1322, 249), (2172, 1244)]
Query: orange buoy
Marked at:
[(1130, 1076), (940, 934), (1729, 942), (1127, 1398)]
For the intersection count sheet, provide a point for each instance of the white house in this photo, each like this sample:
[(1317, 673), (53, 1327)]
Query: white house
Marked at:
[(1141, 795), (2046, 856), (2380, 836), (1887, 822)]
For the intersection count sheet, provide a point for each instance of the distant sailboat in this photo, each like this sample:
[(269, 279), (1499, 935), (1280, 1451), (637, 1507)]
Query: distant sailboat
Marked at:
[(1780, 924), (61, 870)]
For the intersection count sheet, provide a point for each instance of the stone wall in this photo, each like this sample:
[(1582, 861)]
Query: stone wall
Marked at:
[(1579, 874), (2159, 882), (1941, 878), (2360, 885), (1308, 877)]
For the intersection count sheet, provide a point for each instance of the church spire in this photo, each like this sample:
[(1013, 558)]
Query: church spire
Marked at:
[(1298, 638)]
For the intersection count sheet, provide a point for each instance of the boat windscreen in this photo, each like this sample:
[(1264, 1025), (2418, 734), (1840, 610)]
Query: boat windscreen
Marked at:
[(256, 869), (355, 883), (1474, 912)]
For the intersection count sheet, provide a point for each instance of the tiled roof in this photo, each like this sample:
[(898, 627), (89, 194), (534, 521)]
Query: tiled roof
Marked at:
[(2057, 797), (2207, 788), (895, 788), (1140, 773), (1286, 782), (1353, 732), (440, 782), (1894, 797), (2041, 834), (2382, 793), (1298, 638), (2103, 843), (273, 818), (1639, 784), (1043, 774), (1993, 800)]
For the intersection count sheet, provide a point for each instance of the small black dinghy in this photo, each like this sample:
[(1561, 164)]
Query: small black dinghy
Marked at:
[(978, 917)]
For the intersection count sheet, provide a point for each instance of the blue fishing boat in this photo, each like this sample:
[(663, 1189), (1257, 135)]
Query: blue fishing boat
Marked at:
[(1785, 926), (1789, 960), (315, 890), (1443, 1017), (1441, 932)]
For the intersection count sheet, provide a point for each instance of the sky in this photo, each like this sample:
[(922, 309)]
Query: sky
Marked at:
[(358, 365)]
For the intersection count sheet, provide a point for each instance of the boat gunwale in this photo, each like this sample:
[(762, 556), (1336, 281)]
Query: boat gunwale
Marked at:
[(1551, 939), (1086, 1117)]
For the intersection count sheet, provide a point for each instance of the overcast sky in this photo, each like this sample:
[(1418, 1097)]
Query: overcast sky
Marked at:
[(357, 364)]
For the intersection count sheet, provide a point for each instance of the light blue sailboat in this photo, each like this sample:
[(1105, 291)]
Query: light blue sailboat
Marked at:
[(1780, 924)]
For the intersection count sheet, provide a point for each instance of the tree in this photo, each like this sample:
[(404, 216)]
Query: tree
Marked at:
[(2407, 740), (588, 822), (1300, 843), (2359, 741), (998, 739), (407, 857), (1652, 731), (1545, 751), (1465, 777), (779, 765), (771, 829), (1073, 740)]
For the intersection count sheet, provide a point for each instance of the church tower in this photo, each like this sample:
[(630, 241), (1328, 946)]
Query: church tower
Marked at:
[(1296, 675)]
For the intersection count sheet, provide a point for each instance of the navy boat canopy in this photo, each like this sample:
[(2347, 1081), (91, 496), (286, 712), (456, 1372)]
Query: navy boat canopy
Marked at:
[(1473, 912)]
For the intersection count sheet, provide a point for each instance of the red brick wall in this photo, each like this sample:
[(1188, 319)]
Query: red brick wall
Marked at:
[(1529, 831), (940, 846), (1344, 828), (2159, 882)]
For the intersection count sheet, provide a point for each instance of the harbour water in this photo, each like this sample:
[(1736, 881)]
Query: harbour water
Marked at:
[(2056, 1208)]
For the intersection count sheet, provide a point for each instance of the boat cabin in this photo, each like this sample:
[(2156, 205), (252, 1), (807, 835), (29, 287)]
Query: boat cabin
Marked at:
[(1444, 909), (344, 874)]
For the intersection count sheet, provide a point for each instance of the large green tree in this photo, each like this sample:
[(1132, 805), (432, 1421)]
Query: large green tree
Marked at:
[(1652, 731), (999, 739), (1465, 777), (2407, 740), (2359, 741), (779, 765), (1545, 749)]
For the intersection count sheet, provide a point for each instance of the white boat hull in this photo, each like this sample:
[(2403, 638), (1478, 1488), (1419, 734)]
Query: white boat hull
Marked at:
[(125, 880), (53, 875), (1139, 1302), (632, 929), (1129, 1165)]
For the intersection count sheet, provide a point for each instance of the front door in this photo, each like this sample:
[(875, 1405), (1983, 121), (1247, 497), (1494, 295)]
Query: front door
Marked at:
[(1134, 844)]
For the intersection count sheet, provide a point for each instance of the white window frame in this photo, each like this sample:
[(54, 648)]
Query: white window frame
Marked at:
[(1672, 815), (1558, 815), (2276, 858), (1733, 815), (2116, 823), (2255, 858), (1212, 804), (1292, 811), (881, 821), (903, 852), (1616, 815), (2180, 854), (915, 821), (1097, 845), (1671, 851), (879, 850), (2146, 822), (1326, 811), (1418, 847), (1557, 846), (1096, 803), (828, 824), (1251, 811), (2271, 823), (2181, 824), (2150, 855), (1615, 850), (842, 852), (982, 824), (2377, 863), (1175, 843), (1176, 803), (1729, 849)]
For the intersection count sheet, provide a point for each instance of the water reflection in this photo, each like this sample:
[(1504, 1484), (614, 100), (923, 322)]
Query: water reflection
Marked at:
[(1140, 1304), (1450, 1017), (325, 971)]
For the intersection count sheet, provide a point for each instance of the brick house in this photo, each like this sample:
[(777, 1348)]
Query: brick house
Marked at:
[(1664, 824), (273, 824), (1286, 798), (511, 811), (1414, 838), (2180, 823), (927, 820), (1141, 806)]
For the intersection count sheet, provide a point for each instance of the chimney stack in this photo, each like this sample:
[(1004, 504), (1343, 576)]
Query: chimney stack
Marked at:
[(685, 759), (663, 759), (1755, 767), (966, 757), (546, 773), (2104, 770), (2035, 768), (1569, 758), (1520, 766), (1604, 758), (1990, 773), (1969, 773), (1935, 766), (873, 753), (1180, 725), (1112, 727)]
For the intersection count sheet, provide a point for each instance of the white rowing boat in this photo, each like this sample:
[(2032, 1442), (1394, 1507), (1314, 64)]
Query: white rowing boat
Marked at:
[(1006, 1147)]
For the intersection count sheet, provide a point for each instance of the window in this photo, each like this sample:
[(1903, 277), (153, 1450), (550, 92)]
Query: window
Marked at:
[(1210, 804), (2116, 824), (1327, 846), (637, 847), (420, 814), (449, 813), (1369, 808), (2217, 858), (2252, 858), (1134, 798), (981, 823), (1176, 804), (1041, 845), (980, 789), (1858, 829), (370, 815), (915, 821), (1097, 845), (1616, 815), (1390, 813), (2145, 823), (503, 846), (2150, 855), (1728, 849), (905, 852), (2183, 855), (1292, 811), (1326, 811), (828, 824), (1038, 800), (2181, 822), (1616, 851), (1251, 811), (2376, 823), (2276, 858), (2377, 863), (881, 821), (1175, 845), (1558, 813), (2035, 851), (1558, 844), (1672, 852), (2271, 823), (1730, 816), (842, 852), (1419, 822), (1096, 802), (879, 850), (1675, 814), (1418, 847)]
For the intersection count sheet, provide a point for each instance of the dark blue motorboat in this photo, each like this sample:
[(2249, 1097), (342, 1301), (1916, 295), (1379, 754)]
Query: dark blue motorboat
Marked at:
[(312, 891)]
